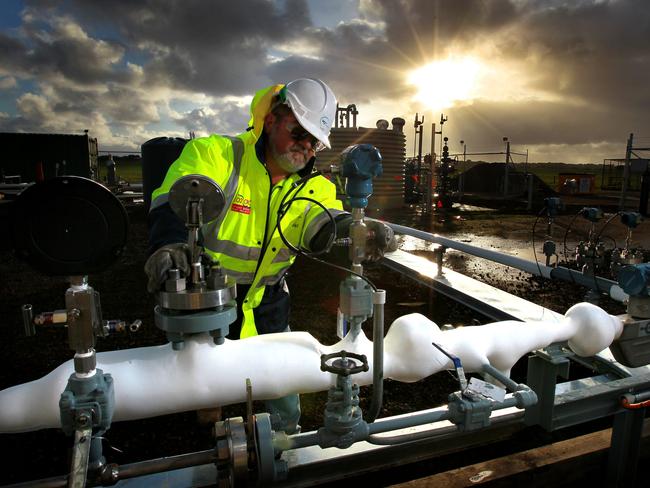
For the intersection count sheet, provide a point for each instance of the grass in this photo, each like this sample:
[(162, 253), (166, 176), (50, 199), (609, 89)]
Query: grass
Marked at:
[(549, 172), (128, 169)]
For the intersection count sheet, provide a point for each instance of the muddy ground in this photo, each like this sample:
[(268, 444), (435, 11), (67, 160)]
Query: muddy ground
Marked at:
[(314, 289)]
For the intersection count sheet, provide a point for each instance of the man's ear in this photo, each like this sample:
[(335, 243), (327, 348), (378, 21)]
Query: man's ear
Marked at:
[(269, 120)]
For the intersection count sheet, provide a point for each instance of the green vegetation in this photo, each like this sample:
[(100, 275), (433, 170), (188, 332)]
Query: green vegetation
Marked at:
[(128, 168), (549, 172)]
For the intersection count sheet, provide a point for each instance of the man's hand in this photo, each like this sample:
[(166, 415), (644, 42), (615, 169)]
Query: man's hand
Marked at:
[(381, 239), (167, 257)]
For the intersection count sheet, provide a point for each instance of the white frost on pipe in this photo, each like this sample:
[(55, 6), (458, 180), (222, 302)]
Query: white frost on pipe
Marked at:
[(157, 380)]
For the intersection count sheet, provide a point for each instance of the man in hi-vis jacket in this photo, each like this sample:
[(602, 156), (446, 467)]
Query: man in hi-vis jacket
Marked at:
[(271, 163)]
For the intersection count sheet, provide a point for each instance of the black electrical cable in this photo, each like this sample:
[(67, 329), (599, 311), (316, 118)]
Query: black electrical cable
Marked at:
[(282, 210), (568, 229), (284, 207), (611, 239), (539, 269), (596, 239), (606, 224), (573, 280)]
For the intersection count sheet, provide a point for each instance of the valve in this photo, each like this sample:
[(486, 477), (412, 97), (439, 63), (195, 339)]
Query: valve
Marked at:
[(635, 279), (549, 250), (343, 365), (359, 164), (204, 300), (553, 205), (592, 214), (343, 419), (631, 219), (631, 347)]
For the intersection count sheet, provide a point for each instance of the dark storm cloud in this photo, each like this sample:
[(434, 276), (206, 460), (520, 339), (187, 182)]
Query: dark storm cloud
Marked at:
[(533, 123), (353, 58), (61, 53), (423, 27), (369, 59), (598, 52), (211, 47), (595, 55)]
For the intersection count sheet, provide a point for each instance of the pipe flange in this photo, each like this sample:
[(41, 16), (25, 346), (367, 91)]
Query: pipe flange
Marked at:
[(266, 464), (232, 452), (198, 298)]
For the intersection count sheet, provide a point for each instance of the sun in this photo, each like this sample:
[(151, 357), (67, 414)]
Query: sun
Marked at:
[(444, 83)]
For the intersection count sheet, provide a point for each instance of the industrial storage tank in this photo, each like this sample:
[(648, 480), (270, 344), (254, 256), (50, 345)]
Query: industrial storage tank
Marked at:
[(388, 189), (157, 156)]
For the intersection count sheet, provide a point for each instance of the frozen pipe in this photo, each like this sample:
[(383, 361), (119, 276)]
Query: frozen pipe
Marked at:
[(157, 380), (592, 282)]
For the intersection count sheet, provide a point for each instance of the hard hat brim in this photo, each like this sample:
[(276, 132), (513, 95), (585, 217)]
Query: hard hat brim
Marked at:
[(312, 129)]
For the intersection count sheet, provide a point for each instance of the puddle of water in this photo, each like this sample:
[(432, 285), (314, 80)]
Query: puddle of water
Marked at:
[(480, 267)]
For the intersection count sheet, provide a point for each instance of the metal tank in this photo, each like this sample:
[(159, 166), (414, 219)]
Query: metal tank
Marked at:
[(157, 156), (389, 188)]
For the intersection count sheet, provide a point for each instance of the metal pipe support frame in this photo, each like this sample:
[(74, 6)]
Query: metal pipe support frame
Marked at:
[(535, 268)]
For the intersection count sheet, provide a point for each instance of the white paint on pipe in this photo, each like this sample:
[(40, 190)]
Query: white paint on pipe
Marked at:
[(157, 380)]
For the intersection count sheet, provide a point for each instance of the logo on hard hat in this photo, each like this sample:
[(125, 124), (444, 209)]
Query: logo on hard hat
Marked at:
[(324, 122)]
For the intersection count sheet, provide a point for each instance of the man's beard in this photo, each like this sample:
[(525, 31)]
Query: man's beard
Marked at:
[(293, 160)]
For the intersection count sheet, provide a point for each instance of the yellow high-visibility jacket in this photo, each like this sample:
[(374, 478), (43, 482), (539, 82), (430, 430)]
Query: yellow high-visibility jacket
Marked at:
[(244, 238)]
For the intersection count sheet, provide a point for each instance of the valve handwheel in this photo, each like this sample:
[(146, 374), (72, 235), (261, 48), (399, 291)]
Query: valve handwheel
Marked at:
[(343, 363)]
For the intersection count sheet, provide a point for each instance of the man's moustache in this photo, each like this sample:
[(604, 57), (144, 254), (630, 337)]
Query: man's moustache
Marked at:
[(300, 150)]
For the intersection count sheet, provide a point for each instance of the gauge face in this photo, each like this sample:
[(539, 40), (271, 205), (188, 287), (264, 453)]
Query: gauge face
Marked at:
[(197, 188), (68, 226)]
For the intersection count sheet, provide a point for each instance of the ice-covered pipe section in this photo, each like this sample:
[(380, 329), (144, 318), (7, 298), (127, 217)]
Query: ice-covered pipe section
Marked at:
[(153, 381)]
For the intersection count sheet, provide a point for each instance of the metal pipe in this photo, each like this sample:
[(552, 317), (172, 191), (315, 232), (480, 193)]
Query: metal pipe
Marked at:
[(639, 397), (382, 425), (28, 320), (414, 436), (385, 425), (565, 274), (165, 464), (378, 301), (303, 440), (499, 376), (113, 473), (190, 386)]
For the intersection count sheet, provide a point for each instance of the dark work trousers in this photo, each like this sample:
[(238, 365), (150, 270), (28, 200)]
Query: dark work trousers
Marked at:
[(272, 316)]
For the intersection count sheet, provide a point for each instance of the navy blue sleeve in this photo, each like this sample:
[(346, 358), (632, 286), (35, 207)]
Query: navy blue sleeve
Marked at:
[(165, 228)]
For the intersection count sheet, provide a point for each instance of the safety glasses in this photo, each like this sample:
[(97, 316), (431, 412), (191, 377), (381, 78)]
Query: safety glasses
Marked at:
[(299, 133)]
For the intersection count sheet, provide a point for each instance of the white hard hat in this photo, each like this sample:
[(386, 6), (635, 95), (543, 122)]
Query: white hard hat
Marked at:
[(314, 106)]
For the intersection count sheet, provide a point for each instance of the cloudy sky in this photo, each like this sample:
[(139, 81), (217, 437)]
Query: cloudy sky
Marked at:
[(567, 80)]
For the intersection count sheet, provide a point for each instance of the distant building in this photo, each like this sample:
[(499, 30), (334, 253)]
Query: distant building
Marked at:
[(30, 157), (576, 183)]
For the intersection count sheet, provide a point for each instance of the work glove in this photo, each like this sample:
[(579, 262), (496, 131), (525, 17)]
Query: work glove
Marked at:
[(167, 257), (381, 239)]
